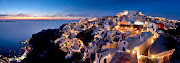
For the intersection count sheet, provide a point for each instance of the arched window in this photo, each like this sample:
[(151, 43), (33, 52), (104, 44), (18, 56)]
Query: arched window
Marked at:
[(124, 43), (124, 49)]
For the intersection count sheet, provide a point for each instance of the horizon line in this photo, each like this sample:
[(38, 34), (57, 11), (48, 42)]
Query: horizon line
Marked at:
[(43, 18)]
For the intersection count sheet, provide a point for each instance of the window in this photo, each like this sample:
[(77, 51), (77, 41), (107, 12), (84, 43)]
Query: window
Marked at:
[(110, 23), (116, 39), (117, 33), (82, 26), (124, 49), (124, 43)]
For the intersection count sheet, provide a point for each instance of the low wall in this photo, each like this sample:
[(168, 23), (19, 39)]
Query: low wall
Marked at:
[(140, 49)]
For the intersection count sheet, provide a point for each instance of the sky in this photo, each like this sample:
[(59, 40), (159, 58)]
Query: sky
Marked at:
[(75, 9)]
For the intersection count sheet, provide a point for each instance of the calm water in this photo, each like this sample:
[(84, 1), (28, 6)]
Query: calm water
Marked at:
[(12, 33)]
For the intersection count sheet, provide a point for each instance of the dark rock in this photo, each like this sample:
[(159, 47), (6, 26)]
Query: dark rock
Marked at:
[(85, 36), (43, 49), (75, 58)]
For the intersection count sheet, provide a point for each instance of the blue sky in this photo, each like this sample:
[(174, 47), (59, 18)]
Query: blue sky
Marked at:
[(89, 8)]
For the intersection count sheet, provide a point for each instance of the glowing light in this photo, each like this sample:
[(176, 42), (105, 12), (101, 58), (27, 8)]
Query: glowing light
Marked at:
[(79, 50), (94, 62), (152, 40), (133, 52), (109, 55), (153, 56), (125, 12), (66, 36), (117, 27), (137, 31), (138, 23), (22, 57), (138, 55), (122, 31)]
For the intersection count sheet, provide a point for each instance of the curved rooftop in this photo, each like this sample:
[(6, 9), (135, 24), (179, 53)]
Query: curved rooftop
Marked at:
[(158, 46)]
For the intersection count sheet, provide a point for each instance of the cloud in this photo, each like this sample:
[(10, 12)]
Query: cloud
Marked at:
[(22, 15), (78, 15), (15, 15), (3, 15), (68, 15), (57, 15), (71, 15)]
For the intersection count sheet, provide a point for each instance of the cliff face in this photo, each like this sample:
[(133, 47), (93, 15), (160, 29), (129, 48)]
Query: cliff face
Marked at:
[(44, 50)]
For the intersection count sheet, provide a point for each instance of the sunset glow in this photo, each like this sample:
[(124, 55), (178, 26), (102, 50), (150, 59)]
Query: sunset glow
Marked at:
[(41, 18)]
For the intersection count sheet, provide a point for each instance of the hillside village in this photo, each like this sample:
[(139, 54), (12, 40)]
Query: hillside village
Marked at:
[(127, 37), (128, 34)]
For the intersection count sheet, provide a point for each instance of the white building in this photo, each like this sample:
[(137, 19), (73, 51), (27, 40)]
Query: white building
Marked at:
[(140, 42)]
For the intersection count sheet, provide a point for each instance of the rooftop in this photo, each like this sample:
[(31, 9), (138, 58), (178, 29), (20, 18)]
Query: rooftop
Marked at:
[(124, 57), (158, 46), (135, 41)]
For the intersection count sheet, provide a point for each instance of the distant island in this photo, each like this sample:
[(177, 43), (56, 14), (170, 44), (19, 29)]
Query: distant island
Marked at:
[(7, 21)]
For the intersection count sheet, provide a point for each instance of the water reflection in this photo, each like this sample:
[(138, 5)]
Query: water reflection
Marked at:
[(12, 33)]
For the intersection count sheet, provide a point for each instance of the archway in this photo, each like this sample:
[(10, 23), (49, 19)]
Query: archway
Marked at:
[(105, 60)]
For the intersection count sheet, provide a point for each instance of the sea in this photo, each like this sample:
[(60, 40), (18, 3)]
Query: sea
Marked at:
[(14, 31)]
